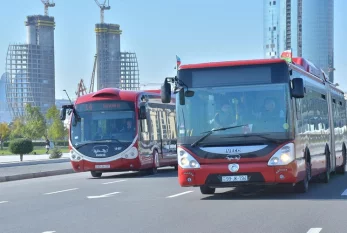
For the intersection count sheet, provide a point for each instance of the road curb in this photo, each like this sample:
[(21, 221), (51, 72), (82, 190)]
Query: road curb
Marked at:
[(34, 162), (36, 175)]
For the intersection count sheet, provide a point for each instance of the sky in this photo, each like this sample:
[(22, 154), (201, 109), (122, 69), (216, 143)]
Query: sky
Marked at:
[(157, 30)]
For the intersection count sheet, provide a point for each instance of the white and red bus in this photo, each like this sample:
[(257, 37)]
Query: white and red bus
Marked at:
[(257, 123), (114, 130)]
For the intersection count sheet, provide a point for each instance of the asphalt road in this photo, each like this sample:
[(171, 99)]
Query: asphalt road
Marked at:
[(132, 202)]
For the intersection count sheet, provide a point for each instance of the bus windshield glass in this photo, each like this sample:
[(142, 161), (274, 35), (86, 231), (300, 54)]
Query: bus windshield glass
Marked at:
[(263, 108), (103, 121)]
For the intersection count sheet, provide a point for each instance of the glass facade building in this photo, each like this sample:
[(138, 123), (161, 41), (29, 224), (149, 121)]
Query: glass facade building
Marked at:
[(306, 27)]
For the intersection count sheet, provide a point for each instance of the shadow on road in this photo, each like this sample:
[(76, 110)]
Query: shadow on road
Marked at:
[(317, 191), (162, 173)]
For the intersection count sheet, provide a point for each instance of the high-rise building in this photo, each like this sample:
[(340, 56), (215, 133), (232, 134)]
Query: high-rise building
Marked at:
[(114, 68), (31, 67), (306, 27), (5, 115)]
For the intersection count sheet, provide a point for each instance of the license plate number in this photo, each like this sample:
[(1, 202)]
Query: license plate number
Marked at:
[(234, 178), (103, 166)]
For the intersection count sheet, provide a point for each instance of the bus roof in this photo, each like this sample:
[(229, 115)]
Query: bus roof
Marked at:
[(299, 62), (113, 93), (231, 63)]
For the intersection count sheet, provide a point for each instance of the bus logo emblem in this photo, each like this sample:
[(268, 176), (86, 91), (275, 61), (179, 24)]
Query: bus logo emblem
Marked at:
[(233, 157), (100, 151), (233, 167), (232, 150)]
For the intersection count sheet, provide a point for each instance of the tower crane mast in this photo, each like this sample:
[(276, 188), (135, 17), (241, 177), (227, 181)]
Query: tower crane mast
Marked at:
[(103, 7), (47, 3)]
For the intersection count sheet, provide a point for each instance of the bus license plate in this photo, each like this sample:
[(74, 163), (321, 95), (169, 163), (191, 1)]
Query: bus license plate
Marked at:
[(234, 178), (103, 166)]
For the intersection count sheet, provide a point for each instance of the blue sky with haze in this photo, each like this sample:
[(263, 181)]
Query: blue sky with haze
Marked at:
[(157, 30)]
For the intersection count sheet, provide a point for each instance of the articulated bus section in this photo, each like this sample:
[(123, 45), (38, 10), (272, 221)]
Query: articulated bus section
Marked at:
[(258, 123), (114, 130)]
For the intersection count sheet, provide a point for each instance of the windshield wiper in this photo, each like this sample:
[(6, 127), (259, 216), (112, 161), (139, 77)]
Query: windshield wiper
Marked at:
[(98, 142), (256, 135), (208, 133)]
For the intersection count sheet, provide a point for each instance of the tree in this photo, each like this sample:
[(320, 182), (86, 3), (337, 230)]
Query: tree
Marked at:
[(35, 123), (17, 128), (56, 129), (4, 133), (21, 147)]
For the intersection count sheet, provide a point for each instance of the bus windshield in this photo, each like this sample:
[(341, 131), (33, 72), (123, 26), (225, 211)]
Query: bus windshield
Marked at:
[(103, 121), (264, 109)]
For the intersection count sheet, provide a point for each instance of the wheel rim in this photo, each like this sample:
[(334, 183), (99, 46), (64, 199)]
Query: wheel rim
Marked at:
[(156, 159)]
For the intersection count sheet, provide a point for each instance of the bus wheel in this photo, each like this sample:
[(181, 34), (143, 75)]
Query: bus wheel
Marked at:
[(96, 174), (154, 169), (207, 190), (342, 170), (302, 186), (326, 175)]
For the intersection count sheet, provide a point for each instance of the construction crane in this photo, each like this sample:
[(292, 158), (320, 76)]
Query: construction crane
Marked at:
[(81, 89), (47, 3), (103, 7), (91, 87)]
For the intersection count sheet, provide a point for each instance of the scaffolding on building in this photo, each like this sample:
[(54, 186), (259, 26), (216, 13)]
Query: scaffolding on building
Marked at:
[(31, 68), (130, 79)]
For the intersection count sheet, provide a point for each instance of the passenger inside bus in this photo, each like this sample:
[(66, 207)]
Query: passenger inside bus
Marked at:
[(225, 117), (128, 126)]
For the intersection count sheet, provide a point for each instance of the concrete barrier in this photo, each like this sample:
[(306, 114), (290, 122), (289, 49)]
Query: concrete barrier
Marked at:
[(36, 175)]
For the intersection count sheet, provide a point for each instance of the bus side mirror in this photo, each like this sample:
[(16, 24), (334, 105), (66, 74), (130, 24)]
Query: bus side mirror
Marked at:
[(62, 114), (182, 97), (142, 112), (166, 92), (298, 88)]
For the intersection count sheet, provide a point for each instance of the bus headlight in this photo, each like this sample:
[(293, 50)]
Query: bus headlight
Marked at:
[(283, 156), (185, 160), (74, 156), (130, 154)]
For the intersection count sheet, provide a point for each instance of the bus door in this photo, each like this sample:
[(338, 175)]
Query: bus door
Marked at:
[(332, 133)]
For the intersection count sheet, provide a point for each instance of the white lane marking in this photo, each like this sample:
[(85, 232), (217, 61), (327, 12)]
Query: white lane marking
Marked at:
[(48, 231), (314, 230), (179, 194), (111, 182), (102, 196), (66, 190), (344, 193), (1, 202)]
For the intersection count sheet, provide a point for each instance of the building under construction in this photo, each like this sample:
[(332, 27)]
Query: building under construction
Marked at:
[(31, 67), (114, 68)]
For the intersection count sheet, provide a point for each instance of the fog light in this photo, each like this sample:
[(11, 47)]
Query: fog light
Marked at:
[(281, 177), (189, 179)]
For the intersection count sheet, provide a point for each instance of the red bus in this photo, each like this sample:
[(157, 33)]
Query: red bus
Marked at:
[(257, 123), (114, 130)]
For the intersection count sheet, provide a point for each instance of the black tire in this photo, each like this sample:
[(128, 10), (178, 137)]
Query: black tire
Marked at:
[(96, 174), (154, 169), (342, 169), (326, 174), (207, 190), (302, 186)]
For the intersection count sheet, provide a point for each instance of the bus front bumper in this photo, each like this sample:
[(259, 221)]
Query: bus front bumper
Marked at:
[(257, 174)]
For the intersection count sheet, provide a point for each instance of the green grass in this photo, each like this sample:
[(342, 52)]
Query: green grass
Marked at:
[(38, 150)]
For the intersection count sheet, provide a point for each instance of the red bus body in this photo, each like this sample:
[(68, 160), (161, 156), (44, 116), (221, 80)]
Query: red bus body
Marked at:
[(314, 135), (145, 150)]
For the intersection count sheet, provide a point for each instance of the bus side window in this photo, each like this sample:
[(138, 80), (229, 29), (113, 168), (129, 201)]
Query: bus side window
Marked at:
[(144, 129)]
